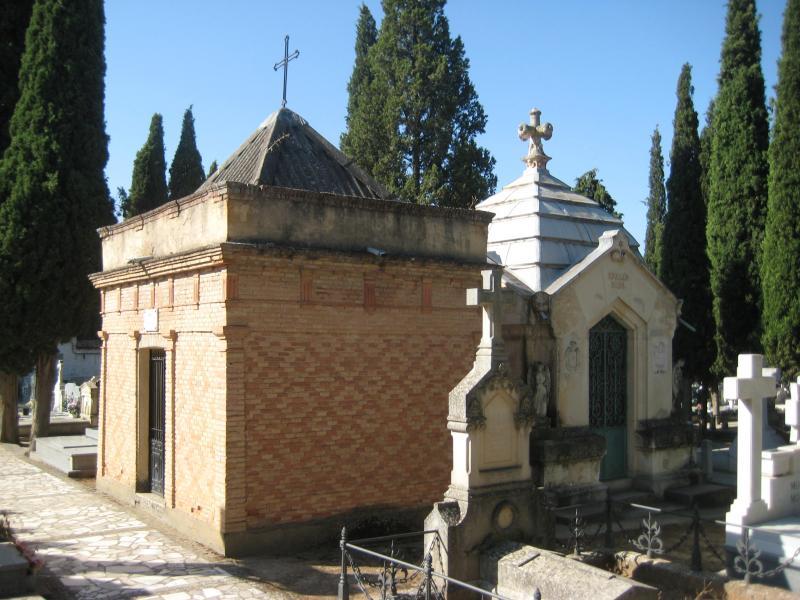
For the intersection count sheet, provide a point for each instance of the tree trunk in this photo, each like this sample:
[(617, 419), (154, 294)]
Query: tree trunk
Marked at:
[(9, 429), (43, 397)]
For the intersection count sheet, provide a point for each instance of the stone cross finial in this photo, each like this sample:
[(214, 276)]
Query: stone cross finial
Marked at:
[(535, 133), (750, 386), (490, 296)]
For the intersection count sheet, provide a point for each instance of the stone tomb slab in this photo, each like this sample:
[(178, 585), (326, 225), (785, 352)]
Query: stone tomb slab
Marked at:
[(518, 569)]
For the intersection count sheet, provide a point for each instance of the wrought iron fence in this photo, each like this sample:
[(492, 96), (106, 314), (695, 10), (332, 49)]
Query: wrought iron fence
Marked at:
[(396, 578), (648, 538)]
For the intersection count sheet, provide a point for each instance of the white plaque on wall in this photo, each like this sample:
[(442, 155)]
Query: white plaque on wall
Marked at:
[(150, 320)]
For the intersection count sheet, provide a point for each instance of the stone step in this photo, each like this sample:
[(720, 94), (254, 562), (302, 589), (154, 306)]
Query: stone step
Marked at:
[(75, 455), (91, 432), (704, 494), (14, 579)]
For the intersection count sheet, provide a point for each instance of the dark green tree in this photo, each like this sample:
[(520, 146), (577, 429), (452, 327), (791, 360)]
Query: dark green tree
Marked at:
[(425, 111), (590, 186), (186, 172), (656, 205), (14, 17), (684, 264), (53, 193), (738, 189), (705, 151), (212, 168), (360, 139), (780, 269), (148, 183)]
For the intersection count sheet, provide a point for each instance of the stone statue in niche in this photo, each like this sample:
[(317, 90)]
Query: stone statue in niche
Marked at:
[(539, 382), (571, 357), (540, 307)]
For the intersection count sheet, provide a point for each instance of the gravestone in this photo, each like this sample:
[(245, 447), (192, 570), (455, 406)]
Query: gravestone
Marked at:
[(768, 481), (491, 496), (749, 387)]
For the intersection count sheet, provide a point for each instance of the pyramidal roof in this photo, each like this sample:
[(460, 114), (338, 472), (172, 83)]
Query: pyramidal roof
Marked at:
[(285, 151), (541, 227)]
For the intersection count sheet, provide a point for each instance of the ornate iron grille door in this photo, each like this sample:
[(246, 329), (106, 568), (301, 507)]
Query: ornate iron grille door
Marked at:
[(608, 393), (158, 371)]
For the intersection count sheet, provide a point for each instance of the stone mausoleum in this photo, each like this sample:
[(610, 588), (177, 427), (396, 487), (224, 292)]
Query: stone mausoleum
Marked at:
[(278, 347), (589, 329)]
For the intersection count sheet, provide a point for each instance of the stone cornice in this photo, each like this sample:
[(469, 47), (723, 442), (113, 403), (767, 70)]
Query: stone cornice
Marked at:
[(154, 268)]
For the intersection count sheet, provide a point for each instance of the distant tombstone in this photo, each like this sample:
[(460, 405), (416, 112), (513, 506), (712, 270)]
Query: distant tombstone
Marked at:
[(89, 401)]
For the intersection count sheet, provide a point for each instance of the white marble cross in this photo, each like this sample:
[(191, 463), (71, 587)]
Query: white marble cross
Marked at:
[(792, 411), (490, 297), (749, 387)]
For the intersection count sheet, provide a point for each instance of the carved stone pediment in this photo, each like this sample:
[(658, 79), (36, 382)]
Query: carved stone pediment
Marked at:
[(486, 386)]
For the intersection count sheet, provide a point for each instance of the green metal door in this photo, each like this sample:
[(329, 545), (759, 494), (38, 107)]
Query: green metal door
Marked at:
[(608, 393)]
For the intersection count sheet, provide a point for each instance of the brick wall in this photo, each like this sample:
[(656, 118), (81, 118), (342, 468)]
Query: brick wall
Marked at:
[(347, 369), (304, 385)]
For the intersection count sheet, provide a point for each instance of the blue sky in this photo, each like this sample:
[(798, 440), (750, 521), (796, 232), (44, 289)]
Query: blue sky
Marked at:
[(603, 72)]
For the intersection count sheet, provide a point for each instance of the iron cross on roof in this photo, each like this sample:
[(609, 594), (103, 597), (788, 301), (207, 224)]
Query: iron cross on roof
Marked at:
[(285, 64)]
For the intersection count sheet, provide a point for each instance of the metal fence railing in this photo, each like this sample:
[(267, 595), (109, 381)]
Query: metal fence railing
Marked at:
[(394, 578)]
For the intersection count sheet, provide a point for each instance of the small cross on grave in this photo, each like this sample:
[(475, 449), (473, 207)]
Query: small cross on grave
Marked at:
[(285, 64), (535, 133), (491, 297), (749, 387)]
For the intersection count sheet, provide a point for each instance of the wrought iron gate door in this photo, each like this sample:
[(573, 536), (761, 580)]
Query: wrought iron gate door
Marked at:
[(608, 393), (157, 408)]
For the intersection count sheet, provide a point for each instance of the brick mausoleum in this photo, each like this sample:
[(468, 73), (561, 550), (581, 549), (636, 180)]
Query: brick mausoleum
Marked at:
[(278, 347)]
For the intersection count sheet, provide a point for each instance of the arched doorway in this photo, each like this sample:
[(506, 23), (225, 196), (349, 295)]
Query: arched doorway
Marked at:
[(608, 401)]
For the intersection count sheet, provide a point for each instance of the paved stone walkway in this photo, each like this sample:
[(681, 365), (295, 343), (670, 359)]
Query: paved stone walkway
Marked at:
[(98, 550)]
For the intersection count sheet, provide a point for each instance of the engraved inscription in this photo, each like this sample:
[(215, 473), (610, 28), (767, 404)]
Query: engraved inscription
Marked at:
[(618, 280)]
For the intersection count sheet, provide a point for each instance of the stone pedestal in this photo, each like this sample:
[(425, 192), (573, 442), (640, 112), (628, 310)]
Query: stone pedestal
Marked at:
[(89, 401)]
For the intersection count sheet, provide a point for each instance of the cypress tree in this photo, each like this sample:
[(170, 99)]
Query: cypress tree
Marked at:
[(590, 186), (53, 192), (360, 138), (186, 172), (14, 18), (705, 152), (212, 168), (148, 183), (738, 189), (684, 264), (656, 205), (425, 111), (781, 265)]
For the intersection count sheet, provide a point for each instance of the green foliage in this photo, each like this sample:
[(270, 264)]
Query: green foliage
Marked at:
[(656, 205), (414, 113), (705, 152), (14, 17), (212, 168), (684, 264), (780, 269), (148, 183), (186, 172), (590, 186), (738, 189), (53, 193), (360, 140)]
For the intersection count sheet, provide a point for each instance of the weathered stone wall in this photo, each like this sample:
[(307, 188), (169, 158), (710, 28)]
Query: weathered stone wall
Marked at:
[(246, 213)]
